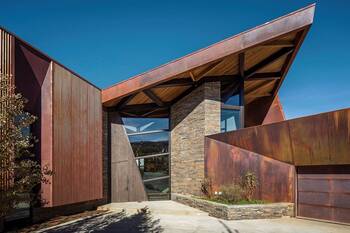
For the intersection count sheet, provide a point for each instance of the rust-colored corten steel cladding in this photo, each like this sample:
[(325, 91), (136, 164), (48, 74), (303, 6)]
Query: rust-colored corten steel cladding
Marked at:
[(275, 113), (77, 139), (6, 71), (317, 145), (225, 164), (321, 139), (69, 125)]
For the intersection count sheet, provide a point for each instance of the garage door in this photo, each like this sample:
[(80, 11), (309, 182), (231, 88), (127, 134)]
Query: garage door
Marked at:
[(324, 193)]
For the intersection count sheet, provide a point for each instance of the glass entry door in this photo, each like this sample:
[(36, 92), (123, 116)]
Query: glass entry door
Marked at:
[(149, 139)]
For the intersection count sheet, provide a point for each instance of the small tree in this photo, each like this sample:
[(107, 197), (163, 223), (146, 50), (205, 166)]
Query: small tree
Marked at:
[(19, 171)]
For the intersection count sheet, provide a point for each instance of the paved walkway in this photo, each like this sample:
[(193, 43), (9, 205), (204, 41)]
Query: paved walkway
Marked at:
[(168, 216)]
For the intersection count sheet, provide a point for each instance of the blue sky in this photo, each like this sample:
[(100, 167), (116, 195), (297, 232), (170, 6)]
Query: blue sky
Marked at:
[(109, 41)]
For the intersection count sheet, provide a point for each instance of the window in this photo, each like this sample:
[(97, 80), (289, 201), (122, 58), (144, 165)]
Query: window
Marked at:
[(157, 187), (149, 143), (153, 167), (230, 119), (233, 100), (231, 114), (139, 125), (149, 139)]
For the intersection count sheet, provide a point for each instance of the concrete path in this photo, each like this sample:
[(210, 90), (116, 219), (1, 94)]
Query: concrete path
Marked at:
[(171, 217)]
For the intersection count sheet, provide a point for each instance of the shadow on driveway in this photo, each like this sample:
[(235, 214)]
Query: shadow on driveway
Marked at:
[(140, 222)]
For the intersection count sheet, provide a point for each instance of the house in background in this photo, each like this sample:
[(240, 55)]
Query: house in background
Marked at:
[(214, 113)]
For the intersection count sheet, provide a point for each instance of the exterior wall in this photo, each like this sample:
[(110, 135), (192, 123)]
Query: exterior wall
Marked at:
[(126, 181), (33, 80), (275, 113), (6, 70), (106, 173), (225, 164), (321, 139), (193, 117), (69, 124), (76, 140)]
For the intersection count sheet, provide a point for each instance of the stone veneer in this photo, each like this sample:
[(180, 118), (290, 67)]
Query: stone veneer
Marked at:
[(193, 117), (237, 212)]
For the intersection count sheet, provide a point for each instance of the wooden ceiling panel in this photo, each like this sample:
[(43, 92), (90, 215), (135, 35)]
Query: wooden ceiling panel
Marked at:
[(169, 93), (228, 66), (275, 66), (255, 55), (258, 89), (140, 98), (252, 85)]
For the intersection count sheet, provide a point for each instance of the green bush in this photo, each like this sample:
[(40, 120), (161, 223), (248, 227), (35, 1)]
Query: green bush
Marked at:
[(231, 193)]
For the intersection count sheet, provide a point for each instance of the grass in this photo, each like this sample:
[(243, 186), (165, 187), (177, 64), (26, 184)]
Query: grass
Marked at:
[(241, 202)]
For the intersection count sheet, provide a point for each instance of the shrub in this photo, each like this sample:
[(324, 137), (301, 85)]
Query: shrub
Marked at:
[(207, 187), (249, 183), (231, 193), (239, 191)]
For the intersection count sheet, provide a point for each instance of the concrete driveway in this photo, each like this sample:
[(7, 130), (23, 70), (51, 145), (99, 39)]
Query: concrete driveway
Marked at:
[(168, 216)]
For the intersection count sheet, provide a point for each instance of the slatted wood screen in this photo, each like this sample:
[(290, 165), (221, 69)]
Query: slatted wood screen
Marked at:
[(7, 76)]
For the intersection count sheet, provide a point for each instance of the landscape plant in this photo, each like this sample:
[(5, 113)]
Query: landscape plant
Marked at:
[(240, 191), (20, 172), (249, 184), (207, 187)]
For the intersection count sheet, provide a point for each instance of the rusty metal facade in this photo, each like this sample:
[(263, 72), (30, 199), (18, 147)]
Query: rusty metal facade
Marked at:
[(275, 113), (321, 139), (226, 164), (7, 73), (69, 125), (317, 146)]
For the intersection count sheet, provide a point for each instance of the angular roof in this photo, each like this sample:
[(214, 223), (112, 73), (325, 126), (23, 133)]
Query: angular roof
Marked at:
[(262, 56)]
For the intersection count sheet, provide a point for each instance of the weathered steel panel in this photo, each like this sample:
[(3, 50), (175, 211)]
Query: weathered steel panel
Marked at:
[(339, 136), (46, 142), (77, 139), (321, 139), (225, 164), (7, 70), (324, 193), (275, 113)]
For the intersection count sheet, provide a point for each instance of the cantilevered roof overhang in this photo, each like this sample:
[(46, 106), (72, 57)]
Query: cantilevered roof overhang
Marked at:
[(261, 56)]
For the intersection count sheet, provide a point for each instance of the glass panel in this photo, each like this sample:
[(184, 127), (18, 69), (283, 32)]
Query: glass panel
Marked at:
[(230, 120), (148, 144), (233, 100), (157, 186), (153, 167), (138, 125)]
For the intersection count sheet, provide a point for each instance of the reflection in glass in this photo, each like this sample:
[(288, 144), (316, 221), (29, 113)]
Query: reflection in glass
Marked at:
[(153, 167), (148, 144), (138, 125), (149, 137), (157, 186), (230, 120), (233, 100)]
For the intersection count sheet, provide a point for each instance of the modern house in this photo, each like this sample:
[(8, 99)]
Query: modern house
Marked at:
[(214, 113)]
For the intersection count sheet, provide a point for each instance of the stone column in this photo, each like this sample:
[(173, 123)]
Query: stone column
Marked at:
[(192, 118)]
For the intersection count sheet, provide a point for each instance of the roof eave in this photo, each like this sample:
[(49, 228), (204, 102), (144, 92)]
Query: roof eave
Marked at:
[(295, 21)]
